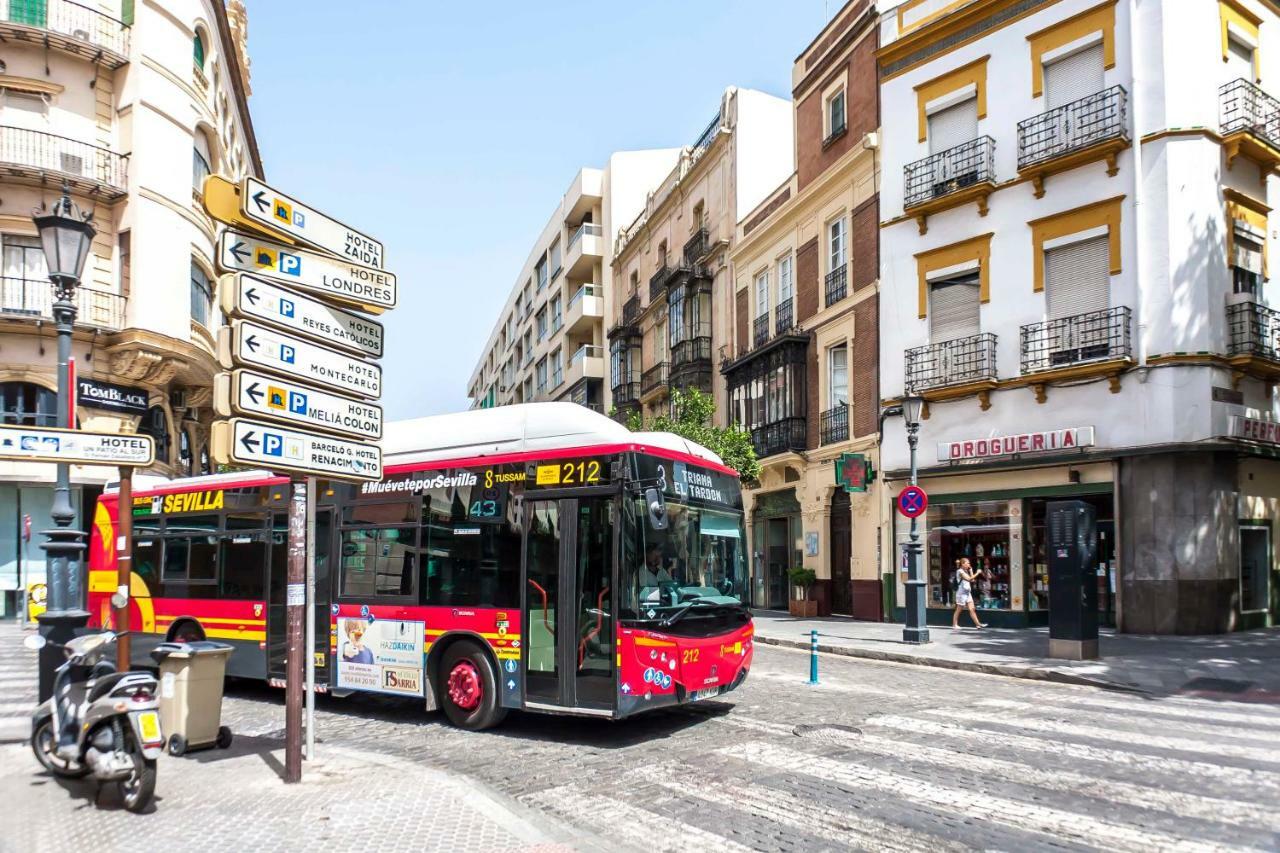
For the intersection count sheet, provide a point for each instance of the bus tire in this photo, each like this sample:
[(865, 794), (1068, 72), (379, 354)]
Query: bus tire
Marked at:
[(468, 687)]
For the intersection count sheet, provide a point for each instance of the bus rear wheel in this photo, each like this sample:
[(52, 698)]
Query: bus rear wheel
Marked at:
[(468, 687)]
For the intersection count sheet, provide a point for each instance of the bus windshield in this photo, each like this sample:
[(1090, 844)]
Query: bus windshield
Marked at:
[(697, 564)]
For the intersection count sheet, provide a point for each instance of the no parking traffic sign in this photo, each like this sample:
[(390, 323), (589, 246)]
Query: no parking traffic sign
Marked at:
[(912, 501)]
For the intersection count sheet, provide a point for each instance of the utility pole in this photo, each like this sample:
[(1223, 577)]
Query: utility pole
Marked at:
[(124, 564), (295, 605)]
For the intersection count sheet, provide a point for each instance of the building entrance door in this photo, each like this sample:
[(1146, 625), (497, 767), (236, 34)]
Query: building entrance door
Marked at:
[(777, 557), (841, 553)]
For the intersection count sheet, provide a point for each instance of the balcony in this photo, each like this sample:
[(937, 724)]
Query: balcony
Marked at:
[(696, 246), (760, 331), (586, 307), (691, 363), (705, 139), (833, 425), (784, 316), (1089, 344), (1084, 131), (837, 284), (782, 436), (1250, 123), (653, 382), (767, 393), (35, 157), (951, 369), (1253, 339), (587, 362), (631, 310), (949, 179), (658, 284), (585, 249), (626, 395), (32, 299), (66, 27)]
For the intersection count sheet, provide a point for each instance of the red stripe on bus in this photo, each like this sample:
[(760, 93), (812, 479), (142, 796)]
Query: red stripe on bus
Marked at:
[(559, 453)]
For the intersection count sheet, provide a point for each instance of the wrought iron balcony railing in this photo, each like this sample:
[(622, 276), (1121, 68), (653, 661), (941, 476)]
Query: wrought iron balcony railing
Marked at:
[(69, 26), (705, 139), (784, 316), (658, 283), (949, 171), (833, 425), (654, 378), (691, 350), (760, 330), (33, 298), (67, 159), (631, 310), (947, 363), (626, 393), (696, 246), (1242, 106), (837, 284), (781, 436), (1073, 127), (1253, 330), (1078, 339)]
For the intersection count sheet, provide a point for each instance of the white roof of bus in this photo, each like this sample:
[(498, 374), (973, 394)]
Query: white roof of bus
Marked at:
[(520, 428)]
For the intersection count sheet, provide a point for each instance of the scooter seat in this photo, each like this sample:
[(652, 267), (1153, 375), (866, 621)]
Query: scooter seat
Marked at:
[(104, 684)]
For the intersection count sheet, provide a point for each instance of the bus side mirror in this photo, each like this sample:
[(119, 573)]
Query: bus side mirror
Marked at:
[(657, 505)]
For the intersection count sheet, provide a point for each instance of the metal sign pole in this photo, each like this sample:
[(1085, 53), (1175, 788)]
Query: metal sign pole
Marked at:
[(312, 495), (124, 564), (295, 602)]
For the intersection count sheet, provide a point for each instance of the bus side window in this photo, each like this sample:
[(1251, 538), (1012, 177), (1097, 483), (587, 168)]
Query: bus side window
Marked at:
[(378, 562), (146, 557), (243, 557)]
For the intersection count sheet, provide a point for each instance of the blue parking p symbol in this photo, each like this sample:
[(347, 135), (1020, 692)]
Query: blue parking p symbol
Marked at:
[(287, 353), (286, 308), (290, 264), (272, 443), (297, 403)]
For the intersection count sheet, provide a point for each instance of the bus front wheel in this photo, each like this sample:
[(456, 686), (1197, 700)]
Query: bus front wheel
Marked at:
[(468, 687)]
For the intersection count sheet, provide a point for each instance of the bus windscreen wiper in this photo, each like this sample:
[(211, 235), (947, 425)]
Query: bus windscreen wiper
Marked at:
[(696, 603)]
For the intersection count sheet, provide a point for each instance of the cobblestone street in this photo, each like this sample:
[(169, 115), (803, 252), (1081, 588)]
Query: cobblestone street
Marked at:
[(878, 756)]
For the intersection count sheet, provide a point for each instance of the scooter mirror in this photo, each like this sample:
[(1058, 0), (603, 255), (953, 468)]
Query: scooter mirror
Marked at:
[(34, 642), (118, 600)]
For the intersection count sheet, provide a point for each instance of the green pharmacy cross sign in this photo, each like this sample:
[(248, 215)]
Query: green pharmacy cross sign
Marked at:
[(854, 472)]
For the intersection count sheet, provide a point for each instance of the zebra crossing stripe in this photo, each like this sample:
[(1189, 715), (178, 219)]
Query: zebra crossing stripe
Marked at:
[(1119, 720), (645, 829), (1169, 708), (1218, 747), (1249, 780), (975, 803), (788, 809), (13, 709)]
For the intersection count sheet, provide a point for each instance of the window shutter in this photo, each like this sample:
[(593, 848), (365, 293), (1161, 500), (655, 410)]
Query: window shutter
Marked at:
[(1246, 253), (1078, 278), (953, 126), (1239, 60), (1074, 77), (954, 308)]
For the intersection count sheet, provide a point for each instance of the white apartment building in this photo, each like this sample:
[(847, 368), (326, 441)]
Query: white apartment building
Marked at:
[(1075, 238), (129, 105), (548, 342)]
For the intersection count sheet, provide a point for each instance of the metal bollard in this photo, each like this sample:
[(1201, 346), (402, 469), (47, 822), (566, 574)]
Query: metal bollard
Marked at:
[(813, 657)]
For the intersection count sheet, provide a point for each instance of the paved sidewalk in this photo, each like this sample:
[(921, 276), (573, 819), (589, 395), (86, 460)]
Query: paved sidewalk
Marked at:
[(1244, 666)]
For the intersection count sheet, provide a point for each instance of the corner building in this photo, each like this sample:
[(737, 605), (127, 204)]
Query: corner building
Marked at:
[(129, 105), (1076, 226), (802, 373)]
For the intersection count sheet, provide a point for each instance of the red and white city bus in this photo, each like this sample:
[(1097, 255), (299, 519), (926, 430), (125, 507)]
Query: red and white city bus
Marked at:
[(539, 556)]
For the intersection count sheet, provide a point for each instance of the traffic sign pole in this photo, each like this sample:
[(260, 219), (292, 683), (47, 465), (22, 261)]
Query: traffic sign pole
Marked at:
[(310, 615), (295, 605)]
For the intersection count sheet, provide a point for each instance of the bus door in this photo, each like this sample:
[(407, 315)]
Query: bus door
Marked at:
[(277, 636), (568, 602)]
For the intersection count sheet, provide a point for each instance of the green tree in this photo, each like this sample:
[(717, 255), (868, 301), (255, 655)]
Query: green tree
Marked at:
[(691, 417)]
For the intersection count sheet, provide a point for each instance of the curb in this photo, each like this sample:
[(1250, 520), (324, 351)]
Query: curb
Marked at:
[(1009, 670)]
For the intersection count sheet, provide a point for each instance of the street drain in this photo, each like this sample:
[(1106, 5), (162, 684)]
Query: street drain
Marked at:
[(830, 732)]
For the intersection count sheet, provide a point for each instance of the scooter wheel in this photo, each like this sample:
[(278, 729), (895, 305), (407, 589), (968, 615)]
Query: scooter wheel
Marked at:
[(224, 737), (43, 743), (177, 745)]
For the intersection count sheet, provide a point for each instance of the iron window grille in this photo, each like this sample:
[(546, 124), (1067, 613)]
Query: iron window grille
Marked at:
[(631, 310), (50, 152), (833, 425), (1073, 127), (1078, 339), (21, 297), (696, 246), (950, 171), (627, 392), (781, 436), (956, 362), (1242, 106), (1254, 330), (784, 316), (768, 397), (760, 330), (654, 378), (837, 284), (705, 139), (691, 350)]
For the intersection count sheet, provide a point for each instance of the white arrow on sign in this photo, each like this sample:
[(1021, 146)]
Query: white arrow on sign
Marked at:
[(244, 392), (279, 449), (75, 446), (243, 295), (311, 271), (248, 344), (274, 209)]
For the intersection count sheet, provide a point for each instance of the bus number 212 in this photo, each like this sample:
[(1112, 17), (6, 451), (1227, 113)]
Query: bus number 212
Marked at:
[(581, 472)]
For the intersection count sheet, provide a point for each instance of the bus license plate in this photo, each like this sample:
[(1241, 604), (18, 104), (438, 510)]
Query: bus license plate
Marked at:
[(709, 693), (149, 725)]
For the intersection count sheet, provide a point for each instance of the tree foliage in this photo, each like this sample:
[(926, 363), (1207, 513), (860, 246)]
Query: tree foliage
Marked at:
[(691, 417)]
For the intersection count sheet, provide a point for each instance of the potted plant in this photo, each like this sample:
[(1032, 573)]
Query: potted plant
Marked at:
[(802, 580)]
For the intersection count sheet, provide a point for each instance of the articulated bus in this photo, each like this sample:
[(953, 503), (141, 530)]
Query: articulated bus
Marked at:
[(539, 557)]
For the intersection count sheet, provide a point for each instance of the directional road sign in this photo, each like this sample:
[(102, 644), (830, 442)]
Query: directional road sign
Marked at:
[(262, 204), (368, 287), (243, 442), (248, 344), (912, 501), (244, 392), (245, 296), (76, 446)]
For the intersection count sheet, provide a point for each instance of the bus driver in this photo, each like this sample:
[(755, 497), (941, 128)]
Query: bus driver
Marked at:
[(653, 572)]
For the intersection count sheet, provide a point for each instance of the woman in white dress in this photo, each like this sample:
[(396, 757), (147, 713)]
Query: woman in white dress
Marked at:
[(964, 593)]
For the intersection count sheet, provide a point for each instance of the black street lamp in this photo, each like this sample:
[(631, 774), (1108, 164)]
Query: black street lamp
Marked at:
[(65, 234), (916, 626)]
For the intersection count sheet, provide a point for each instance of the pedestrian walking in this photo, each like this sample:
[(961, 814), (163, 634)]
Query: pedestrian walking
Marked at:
[(966, 575)]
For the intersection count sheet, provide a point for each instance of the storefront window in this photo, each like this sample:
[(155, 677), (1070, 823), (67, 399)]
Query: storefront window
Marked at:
[(989, 534), (1038, 560)]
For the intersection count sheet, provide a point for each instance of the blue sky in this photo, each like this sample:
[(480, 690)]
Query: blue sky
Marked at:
[(449, 131)]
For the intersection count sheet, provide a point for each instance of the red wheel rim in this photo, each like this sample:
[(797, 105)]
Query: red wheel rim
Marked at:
[(465, 688)]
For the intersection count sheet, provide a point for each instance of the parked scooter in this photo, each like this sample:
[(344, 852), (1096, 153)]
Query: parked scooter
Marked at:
[(99, 721)]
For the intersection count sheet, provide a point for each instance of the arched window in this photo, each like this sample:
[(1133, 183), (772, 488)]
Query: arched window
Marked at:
[(25, 404), (198, 49), (184, 452), (201, 160), (205, 467), (201, 295), (155, 424)]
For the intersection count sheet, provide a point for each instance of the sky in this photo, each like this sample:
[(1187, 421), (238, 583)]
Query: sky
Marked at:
[(449, 131)]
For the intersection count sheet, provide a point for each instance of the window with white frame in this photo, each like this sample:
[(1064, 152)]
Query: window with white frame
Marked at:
[(762, 293), (838, 237), (541, 372), (836, 120), (541, 271), (557, 368), (837, 376), (541, 322), (1246, 258), (786, 282)]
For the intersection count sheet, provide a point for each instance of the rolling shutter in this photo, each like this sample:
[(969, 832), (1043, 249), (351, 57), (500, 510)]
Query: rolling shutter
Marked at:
[(953, 126), (954, 308), (1074, 77), (1077, 278), (1239, 60)]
